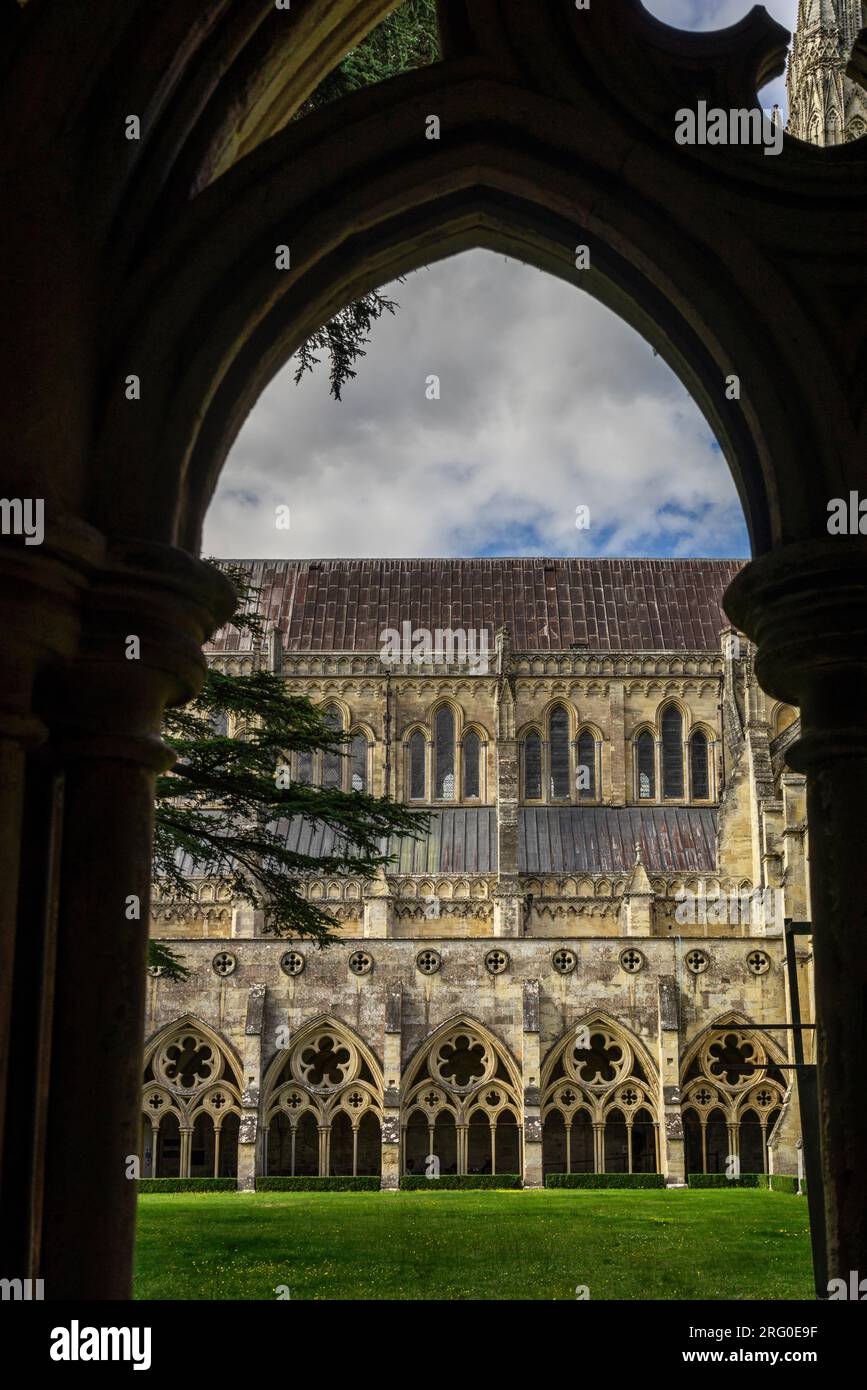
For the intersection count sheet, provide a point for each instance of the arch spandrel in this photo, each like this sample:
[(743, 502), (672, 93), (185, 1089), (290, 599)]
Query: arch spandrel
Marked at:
[(698, 249)]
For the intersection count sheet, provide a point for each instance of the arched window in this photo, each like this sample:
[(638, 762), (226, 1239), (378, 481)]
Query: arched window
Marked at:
[(471, 751), (587, 766), (304, 767), (444, 754), (699, 767), (644, 757), (533, 768), (358, 763), (672, 752), (332, 760), (558, 746), (416, 766)]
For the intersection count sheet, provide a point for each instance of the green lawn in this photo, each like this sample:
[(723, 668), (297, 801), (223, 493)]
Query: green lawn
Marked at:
[(478, 1245)]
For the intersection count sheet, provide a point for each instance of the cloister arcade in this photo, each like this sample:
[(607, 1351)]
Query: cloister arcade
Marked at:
[(461, 1110)]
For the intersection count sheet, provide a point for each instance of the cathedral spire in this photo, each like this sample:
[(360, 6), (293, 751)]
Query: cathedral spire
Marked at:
[(825, 107)]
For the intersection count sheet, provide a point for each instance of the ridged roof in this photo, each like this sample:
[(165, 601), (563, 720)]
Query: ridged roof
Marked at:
[(551, 839), (547, 605)]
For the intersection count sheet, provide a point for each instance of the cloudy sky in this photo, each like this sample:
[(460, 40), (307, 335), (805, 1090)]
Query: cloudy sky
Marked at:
[(548, 403)]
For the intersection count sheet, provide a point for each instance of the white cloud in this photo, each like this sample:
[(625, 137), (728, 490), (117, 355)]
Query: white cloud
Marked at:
[(549, 401)]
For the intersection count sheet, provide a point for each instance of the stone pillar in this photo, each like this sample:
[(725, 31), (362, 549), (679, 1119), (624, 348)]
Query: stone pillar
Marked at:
[(250, 1159), (107, 712), (672, 1155), (796, 883), (508, 902), (532, 1077), (615, 791), (805, 607), (247, 921), (378, 907), (636, 917), (40, 594), (391, 1061)]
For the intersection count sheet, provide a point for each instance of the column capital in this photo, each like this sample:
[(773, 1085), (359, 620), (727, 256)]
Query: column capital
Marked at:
[(145, 613), (805, 607)]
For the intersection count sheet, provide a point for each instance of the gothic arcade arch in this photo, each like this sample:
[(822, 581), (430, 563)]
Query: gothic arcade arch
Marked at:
[(191, 1103), (462, 1110), (322, 1104), (732, 1094), (600, 1101)]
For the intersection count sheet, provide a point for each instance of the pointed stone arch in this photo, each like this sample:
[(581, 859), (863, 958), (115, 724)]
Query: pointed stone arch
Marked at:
[(322, 1104)]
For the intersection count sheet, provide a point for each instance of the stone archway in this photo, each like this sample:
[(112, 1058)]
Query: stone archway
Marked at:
[(557, 129)]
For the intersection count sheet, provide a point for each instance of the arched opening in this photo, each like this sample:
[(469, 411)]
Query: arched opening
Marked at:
[(332, 759), (672, 752), (279, 1147), (168, 1162), (581, 1157), (587, 779), (341, 1145), (444, 754), (417, 766), (202, 1147), (717, 1139), (554, 1144), (558, 754), (751, 1143), (645, 757), (699, 767), (507, 1144), (417, 1144), (616, 1142), (306, 1164), (446, 1142), (227, 1138), (358, 757), (470, 768), (643, 1138), (532, 750), (480, 1144), (369, 1146)]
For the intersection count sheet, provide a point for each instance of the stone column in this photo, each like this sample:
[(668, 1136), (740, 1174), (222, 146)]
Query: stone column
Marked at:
[(532, 1078), (672, 1150), (106, 716), (615, 792), (40, 595), (805, 607), (250, 1129), (508, 902), (796, 884), (391, 1061)]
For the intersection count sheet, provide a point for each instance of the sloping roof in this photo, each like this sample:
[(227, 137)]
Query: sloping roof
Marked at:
[(547, 605), (602, 839), (551, 839)]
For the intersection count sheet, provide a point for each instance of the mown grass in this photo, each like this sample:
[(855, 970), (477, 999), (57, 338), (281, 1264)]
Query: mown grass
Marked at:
[(474, 1245)]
